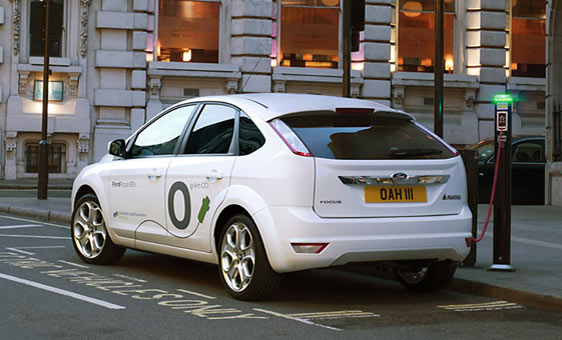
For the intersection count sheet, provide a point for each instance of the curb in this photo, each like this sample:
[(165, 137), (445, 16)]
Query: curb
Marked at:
[(505, 293), (43, 215), (33, 187)]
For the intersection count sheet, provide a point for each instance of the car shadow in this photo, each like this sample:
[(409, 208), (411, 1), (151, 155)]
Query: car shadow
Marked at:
[(342, 286)]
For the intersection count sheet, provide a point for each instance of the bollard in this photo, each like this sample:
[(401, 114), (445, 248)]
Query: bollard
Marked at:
[(470, 159)]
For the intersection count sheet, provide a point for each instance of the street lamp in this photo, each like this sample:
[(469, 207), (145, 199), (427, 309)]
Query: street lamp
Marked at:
[(43, 175)]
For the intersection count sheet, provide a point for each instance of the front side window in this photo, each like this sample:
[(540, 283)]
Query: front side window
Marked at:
[(188, 31), (37, 26), (161, 136), (309, 33), (213, 132), (416, 36), (528, 38)]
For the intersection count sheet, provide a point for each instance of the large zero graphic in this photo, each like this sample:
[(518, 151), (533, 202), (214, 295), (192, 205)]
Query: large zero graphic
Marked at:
[(179, 186)]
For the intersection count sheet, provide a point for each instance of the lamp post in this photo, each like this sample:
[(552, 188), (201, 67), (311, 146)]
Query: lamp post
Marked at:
[(346, 46), (43, 175), (438, 75)]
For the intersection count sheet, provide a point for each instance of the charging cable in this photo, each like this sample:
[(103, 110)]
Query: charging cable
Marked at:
[(497, 165)]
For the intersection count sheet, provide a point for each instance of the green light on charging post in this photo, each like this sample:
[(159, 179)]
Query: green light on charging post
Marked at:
[(503, 98)]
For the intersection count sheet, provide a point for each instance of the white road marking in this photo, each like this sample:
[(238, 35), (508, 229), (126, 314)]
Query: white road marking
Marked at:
[(20, 251), (295, 319), (334, 315), (28, 220), (36, 236), (197, 294), (40, 247), (19, 226), (486, 306), (129, 278), (74, 264), (62, 292)]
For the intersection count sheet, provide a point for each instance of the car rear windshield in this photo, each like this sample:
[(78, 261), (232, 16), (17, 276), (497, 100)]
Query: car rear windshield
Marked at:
[(364, 136)]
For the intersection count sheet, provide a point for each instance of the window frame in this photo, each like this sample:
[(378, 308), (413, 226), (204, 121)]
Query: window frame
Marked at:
[(62, 161), (510, 39), (222, 33), (458, 35), (65, 53), (276, 20)]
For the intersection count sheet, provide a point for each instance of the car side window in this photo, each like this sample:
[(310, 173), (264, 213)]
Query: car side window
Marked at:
[(250, 138), (528, 152), (213, 131), (161, 136)]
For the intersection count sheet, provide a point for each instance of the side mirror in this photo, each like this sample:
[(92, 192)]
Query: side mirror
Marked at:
[(117, 148)]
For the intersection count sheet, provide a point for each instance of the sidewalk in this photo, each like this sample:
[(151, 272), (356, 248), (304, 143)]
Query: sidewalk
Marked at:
[(536, 252)]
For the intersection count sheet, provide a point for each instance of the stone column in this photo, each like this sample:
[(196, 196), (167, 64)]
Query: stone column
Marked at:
[(251, 43), (120, 62), (377, 46), (486, 56)]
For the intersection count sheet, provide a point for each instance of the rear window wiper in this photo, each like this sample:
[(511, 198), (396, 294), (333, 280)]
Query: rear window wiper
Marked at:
[(406, 152)]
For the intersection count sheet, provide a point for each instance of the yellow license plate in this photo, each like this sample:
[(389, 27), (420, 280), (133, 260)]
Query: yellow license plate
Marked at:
[(393, 194)]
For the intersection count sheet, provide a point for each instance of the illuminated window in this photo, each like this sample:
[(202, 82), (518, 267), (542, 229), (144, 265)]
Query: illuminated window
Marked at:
[(528, 34), (37, 26), (188, 31), (309, 33), (416, 35)]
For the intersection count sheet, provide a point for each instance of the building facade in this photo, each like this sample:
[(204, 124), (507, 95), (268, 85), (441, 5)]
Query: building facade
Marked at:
[(117, 63)]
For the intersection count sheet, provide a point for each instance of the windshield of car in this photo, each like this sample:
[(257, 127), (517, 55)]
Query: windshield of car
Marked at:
[(485, 149), (364, 136)]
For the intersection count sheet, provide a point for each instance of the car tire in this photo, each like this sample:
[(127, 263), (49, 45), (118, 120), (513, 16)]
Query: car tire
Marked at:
[(427, 278), (90, 238), (244, 269)]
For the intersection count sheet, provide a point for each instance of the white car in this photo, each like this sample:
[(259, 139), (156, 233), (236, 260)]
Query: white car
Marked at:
[(265, 184)]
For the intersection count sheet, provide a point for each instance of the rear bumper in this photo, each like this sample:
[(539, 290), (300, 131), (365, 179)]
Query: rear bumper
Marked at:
[(360, 239)]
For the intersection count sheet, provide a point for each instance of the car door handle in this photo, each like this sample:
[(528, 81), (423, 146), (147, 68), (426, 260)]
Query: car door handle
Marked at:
[(154, 174), (214, 174)]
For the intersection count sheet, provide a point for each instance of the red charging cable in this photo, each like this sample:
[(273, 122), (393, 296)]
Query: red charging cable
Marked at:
[(498, 154)]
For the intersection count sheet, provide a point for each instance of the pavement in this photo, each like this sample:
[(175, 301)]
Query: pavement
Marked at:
[(536, 245)]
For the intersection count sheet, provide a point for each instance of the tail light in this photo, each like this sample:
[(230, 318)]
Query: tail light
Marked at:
[(290, 138)]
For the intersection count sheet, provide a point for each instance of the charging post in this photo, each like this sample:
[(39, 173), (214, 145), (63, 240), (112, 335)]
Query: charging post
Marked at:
[(502, 204)]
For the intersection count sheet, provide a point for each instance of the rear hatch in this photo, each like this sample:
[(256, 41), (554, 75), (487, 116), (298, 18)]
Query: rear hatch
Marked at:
[(381, 164)]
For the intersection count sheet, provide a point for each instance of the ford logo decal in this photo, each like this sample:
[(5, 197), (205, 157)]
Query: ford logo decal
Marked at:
[(399, 176)]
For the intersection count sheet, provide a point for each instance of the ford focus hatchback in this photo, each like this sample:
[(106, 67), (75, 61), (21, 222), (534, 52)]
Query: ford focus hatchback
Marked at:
[(266, 184)]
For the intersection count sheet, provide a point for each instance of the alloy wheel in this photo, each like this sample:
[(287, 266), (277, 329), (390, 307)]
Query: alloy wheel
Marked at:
[(238, 256), (89, 230)]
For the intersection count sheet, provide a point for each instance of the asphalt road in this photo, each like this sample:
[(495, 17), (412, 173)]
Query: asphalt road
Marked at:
[(47, 293)]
